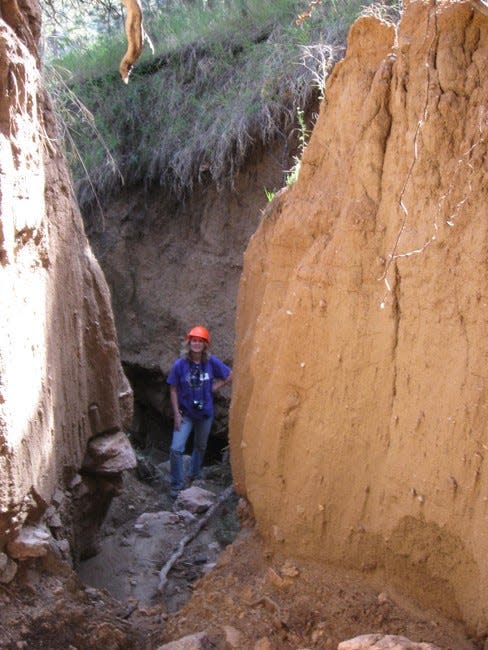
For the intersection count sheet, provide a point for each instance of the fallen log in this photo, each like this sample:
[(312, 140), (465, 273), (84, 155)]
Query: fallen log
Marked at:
[(163, 574)]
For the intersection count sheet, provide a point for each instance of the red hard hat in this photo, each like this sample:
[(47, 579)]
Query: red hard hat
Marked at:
[(200, 331)]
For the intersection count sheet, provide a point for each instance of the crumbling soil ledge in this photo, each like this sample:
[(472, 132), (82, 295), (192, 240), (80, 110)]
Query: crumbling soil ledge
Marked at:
[(258, 593), (295, 604)]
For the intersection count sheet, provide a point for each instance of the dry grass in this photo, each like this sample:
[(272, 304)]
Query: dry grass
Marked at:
[(193, 113)]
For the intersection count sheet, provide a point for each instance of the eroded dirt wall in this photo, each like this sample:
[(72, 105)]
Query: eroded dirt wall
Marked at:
[(172, 263), (59, 360), (359, 413)]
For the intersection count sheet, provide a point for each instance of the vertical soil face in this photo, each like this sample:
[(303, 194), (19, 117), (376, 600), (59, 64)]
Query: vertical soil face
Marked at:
[(173, 263), (61, 381), (358, 422)]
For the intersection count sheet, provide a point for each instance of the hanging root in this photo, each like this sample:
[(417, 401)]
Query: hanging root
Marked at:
[(135, 37), (481, 6)]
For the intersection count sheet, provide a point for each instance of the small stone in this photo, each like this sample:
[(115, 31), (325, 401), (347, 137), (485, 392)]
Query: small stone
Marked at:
[(199, 641), (186, 516), (277, 534), (156, 518), (275, 578), (8, 569), (75, 481), (54, 520), (32, 541), (233, 637), (384, 642), (58, 497), (383, 598), (290, 570), (208, 567), (195, 499), (317, 635)]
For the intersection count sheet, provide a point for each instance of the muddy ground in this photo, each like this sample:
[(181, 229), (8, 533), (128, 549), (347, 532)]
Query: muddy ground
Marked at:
[(242, 594)]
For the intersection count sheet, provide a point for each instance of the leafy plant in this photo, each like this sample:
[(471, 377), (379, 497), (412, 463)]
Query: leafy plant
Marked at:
[(303, 135), (269, 194)]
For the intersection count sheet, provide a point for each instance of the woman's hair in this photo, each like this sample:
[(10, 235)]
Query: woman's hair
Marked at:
[(185, 351)]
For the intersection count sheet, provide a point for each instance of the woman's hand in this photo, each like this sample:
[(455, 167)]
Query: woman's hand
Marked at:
[(178, 419), (218, 383)]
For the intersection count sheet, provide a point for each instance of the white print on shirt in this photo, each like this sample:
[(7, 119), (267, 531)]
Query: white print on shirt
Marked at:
[(197, 379)]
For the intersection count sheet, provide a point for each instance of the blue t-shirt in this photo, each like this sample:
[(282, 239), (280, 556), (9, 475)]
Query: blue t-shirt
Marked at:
[(193, 383)]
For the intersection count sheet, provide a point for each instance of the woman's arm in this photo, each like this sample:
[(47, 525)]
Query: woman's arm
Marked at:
[(218, 383), (173, 393)]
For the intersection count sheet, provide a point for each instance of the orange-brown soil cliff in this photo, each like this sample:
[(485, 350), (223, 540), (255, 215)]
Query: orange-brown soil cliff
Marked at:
[(359, 415)]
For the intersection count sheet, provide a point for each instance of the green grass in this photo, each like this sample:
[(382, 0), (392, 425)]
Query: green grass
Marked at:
[(219, 83)]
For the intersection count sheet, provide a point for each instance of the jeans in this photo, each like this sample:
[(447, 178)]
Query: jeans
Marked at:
[(201, 431)]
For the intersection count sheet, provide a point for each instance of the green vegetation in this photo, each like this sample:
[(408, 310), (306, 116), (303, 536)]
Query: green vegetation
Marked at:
[(303, 135), (225, 76)]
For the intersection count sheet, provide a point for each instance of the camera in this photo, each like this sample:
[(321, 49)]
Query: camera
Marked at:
[(197, 404)]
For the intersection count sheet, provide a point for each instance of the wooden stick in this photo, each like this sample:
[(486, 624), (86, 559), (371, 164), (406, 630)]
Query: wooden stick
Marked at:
[(163, 574)]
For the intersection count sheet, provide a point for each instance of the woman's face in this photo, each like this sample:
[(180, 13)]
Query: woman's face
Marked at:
[(197, 344)]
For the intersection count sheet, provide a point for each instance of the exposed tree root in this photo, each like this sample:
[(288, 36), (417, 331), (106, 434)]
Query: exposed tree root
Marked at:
[(135, 35)]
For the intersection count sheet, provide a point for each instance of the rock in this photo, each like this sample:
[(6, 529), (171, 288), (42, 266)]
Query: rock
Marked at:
[(32, 541), (263, 644), (109, 453), (8, 568), (195, 499), (233, 637), (384, 642), (53, 519), (75, 481), (290, 570), (153, 522), (245, 512), (59, 497), (186, 516), (208, 566), (277, 534), (64, 548), (275, 578), (199, 641)]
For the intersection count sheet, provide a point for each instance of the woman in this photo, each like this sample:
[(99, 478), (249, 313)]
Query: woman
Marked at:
[(193, 379)]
